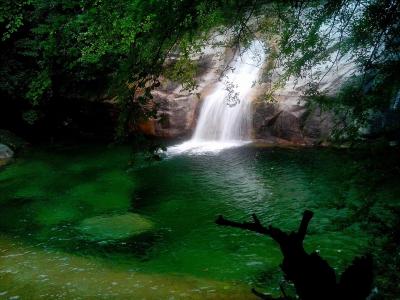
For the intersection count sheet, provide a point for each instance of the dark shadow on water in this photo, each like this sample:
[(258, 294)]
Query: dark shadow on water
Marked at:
[(15, 215), (139, 246), (312, 276)]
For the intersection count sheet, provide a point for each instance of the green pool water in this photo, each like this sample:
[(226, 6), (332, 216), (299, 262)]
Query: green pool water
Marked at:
[(154, 235)]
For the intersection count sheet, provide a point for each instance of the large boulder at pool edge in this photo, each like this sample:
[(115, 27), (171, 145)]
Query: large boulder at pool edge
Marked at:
[(5, 152)]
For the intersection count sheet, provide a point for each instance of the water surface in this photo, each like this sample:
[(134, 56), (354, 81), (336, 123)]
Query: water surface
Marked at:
[(47, 194)]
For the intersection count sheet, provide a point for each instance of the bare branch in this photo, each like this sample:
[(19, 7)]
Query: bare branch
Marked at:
[(307, 216), (256, 226)]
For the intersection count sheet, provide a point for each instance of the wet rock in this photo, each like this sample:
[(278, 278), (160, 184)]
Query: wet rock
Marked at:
[(286, 125), (318, 125), (5, 152), (177, 108), (290, 122), (288, 118), (176, 115), (271, 122), (114, 227)]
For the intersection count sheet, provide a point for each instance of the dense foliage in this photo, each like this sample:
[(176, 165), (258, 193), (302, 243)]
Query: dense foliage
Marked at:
[(75, 65), (314, 36), (57, 57), (57, 52)]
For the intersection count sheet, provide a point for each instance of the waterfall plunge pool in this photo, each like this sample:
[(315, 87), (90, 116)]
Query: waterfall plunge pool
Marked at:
[(50, 199)]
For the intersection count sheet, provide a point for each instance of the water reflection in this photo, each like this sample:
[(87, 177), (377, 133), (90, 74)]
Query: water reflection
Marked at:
[(46, 195)]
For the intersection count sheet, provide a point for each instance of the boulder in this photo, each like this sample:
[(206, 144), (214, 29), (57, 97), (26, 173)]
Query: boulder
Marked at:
[(272, 122), (286, 125), (5, 152), (176, 115), (114, 227), (318, 125), (290, 122)]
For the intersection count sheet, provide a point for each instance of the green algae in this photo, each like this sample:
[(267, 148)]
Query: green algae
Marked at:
[(88, 202), (114, 227)]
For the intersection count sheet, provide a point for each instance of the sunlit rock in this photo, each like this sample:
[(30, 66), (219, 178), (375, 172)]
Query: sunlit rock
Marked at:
[(177, 107), (287, 119), (114, 227), (225, 117)]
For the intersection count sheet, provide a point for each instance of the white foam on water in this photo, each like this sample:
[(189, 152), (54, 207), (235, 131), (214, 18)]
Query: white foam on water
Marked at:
[(203, 147), (225, 117)]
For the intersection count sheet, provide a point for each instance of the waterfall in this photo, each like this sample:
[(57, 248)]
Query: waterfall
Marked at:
[(225, 116)]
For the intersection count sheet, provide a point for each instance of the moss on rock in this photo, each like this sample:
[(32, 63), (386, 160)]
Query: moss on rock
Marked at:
[(114, 227)]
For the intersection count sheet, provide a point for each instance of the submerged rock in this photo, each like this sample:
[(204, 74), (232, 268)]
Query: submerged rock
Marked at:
[(5, 152), (114, 227)]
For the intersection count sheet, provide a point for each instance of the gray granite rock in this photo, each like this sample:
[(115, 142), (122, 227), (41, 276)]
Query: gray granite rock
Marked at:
[(5, 152)]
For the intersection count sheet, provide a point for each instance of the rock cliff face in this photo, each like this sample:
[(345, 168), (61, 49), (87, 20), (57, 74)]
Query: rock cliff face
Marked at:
[(176, 114), (178, 109), (287, 120), (292, 124)]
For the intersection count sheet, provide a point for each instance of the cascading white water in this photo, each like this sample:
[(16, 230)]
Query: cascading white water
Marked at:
[(225, 117)]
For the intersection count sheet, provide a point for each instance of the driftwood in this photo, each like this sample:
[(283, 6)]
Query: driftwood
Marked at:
[(312, 276)]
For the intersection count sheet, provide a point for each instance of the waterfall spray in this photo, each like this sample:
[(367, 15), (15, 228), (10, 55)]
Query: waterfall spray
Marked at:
[(225, 116)]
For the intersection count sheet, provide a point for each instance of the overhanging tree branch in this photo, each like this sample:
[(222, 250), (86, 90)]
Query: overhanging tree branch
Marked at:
[(312, 276)]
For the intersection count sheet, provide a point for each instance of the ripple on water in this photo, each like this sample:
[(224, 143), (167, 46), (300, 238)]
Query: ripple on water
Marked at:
[(185, 251)]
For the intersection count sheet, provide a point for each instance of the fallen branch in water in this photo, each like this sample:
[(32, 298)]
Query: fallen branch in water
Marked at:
[(312, 276)]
